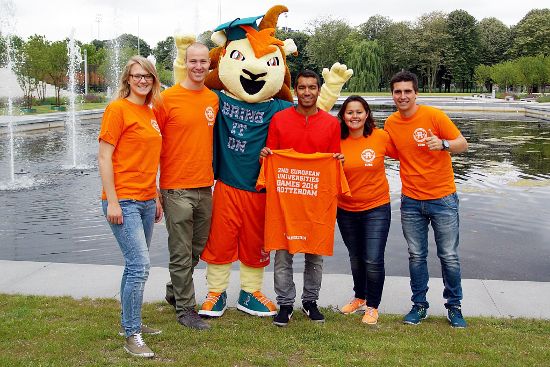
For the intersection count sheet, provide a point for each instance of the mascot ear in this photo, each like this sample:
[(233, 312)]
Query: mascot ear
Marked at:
[(219, 38), (290, 47)]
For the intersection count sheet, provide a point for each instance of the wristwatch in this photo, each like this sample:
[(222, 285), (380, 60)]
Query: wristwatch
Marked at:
[(445, 144)]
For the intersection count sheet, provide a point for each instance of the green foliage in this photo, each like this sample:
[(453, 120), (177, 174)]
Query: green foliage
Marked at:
[(494, 41), (129, 41), (504, 74), (204, 37), (463, 46), (366, 62), (165, 52), (296, 63), (531, 72), (57, 66), (532, 34), (398, 50), (430, 41), (326, 44), (482, 76), (374, 27)]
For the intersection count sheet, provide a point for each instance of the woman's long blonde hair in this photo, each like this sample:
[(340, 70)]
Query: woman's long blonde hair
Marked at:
[(124, 88)]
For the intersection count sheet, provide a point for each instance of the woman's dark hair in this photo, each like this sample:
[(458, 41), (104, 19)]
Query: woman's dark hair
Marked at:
[(369, 123)]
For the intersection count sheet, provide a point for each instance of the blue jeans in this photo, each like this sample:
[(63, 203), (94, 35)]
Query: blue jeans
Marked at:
[(442, 213), (365, 234), (134, 238)]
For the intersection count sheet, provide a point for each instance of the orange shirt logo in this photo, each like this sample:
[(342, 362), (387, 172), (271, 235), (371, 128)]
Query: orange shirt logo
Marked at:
[(156, 126), (368, 156), (210, 115), (420, 136)]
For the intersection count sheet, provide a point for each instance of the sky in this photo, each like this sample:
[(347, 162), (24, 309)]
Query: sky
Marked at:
[(153, 21)]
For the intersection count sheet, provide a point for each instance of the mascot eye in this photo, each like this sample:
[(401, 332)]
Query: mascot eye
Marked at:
[(274, 61), (236, 55)]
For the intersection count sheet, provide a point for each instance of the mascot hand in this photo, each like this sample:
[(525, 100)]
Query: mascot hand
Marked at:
[(180, 70), (335, 79)]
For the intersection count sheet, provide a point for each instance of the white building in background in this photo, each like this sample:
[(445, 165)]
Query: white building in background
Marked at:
[(10, 87)]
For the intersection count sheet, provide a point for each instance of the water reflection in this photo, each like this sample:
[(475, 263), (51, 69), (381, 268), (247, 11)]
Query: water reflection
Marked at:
[(503, 182)]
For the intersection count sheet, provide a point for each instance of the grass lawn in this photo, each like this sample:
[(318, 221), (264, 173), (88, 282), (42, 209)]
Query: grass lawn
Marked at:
[(45, 331)]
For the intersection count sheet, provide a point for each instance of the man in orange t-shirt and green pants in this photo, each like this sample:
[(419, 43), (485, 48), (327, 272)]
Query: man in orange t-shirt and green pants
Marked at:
[(186, 119), (425, 138)]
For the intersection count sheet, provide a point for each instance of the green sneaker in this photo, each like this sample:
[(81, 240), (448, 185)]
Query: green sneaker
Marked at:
[(214, 305), (415, 315), (256, 304)]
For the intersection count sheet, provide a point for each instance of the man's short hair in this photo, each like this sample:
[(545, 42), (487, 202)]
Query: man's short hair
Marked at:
[(195, 45), (307, 74), (405, 76)]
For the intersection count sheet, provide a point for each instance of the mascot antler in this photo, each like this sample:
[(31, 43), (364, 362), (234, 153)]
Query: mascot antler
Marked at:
[(270, 18)]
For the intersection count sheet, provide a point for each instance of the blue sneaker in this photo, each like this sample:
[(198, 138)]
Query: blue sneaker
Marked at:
[(454, 315), (415, 315), (256, 304), (214, 305)]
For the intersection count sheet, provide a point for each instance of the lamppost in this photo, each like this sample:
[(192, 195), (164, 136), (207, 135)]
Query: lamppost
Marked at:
[(98, 20), (85, 71)]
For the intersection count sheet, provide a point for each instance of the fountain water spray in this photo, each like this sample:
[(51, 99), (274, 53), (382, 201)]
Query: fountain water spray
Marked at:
[(75, 59), (7, 14)]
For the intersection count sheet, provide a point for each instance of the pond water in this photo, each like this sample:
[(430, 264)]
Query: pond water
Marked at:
[(503, 183)]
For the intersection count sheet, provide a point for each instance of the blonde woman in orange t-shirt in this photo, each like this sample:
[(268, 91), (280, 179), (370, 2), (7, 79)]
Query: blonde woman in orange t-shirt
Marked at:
[(364, 218), (129, 154)]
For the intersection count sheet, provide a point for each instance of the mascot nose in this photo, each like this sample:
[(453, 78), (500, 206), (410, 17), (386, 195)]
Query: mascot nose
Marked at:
[(252, 75)]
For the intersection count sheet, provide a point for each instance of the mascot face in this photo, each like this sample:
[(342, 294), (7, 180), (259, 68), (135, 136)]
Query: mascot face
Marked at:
[(248, 77)]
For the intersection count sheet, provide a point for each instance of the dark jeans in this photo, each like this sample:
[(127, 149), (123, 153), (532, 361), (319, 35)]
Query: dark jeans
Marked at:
[(365, 234), (442, 214)]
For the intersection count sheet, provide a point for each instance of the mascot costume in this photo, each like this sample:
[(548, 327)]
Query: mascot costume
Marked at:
[(252, 80)]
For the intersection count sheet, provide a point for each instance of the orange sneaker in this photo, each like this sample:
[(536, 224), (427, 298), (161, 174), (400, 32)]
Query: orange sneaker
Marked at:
[(371, 316), (356, 304), (214, 305)]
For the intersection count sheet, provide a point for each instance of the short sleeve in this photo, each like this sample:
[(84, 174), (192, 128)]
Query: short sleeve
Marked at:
[(447, 129), (112, 125)]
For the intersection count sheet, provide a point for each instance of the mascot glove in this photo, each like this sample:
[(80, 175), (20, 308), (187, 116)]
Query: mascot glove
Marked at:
[(180, 70), (335, 78)]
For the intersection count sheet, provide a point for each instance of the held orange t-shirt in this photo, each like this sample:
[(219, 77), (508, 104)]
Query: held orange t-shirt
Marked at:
[(425, 174), (133, 130), (365, 171), (302, 195), (186, 119)]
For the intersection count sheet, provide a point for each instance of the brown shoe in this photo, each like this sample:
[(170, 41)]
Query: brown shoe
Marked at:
[(137, 347)]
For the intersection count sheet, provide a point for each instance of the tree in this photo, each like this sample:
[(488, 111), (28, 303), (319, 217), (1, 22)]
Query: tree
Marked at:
[(430, 41), (97, 64), (532, 34), (296, 63), (374, 27), (366, 62), (165, 52), (504, 74), (24, 70), (37, 50), (130, 42), (531, 72), (494, 41), (325, 45), (397, 45), (483, 78), (463, 46), (57, 66)]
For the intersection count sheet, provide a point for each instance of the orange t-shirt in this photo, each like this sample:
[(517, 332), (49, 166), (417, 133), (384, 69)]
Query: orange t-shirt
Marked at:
[(365, 171), (186, 119), (133, 131), (425, 174), (302, 193)]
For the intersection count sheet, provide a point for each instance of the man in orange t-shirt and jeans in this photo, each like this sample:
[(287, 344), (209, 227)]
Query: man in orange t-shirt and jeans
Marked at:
[(186, 119), (424, 138)]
